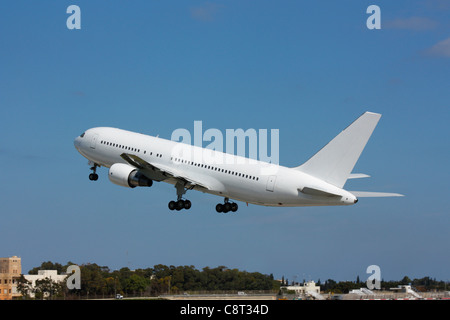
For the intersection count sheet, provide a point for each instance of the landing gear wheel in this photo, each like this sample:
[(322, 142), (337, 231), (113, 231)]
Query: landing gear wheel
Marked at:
[(179, 205), (94, 176), (227, 206), (172, 205)]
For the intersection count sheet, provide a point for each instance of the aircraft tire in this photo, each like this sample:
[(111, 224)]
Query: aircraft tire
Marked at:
[(179, 205), (172, 205)]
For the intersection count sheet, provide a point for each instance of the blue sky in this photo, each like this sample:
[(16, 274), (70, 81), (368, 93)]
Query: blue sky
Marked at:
[(307, 68)]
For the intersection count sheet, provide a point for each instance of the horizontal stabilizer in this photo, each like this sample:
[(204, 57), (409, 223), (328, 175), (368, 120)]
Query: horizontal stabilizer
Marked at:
[(358, 176), (368, 194)]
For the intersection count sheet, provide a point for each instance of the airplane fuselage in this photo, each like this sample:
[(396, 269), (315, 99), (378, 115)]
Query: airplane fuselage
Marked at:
[(221, 174)]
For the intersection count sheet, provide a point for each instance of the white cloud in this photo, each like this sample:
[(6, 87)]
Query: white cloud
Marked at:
[(205, 12), (440, 5), (440, 49), (412, 23)]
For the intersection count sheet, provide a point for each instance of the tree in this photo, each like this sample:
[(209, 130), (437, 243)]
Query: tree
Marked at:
[(24, 287), (136, 284), (92, 280), (406, 280), (47, 288), (48, 265)]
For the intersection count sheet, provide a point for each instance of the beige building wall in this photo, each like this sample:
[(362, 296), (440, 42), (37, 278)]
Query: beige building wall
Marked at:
[(10, 271)]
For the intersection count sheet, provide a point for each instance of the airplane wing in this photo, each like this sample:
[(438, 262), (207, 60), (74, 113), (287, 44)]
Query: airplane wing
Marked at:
[(160, 172)]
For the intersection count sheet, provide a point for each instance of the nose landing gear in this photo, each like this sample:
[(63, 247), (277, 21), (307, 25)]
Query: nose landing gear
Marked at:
[(94, 176)]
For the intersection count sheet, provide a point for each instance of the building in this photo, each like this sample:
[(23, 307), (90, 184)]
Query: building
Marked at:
[(10, 271), (408, 290), (43, 274), (307, 287), (308, 290)]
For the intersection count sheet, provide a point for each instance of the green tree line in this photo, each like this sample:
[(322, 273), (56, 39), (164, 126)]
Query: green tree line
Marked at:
[(160, 279)]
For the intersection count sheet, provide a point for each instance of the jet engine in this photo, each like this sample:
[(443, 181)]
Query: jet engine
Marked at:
[(127, 176)]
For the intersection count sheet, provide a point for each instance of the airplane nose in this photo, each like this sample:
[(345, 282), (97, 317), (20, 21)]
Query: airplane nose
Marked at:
[(356, 200), (77, 142)]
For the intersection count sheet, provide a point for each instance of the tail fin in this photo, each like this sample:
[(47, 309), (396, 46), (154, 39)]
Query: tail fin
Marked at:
[(334, 162)]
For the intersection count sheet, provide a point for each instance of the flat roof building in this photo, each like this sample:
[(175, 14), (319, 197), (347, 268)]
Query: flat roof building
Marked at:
[(10, 271), (309, 286), (43, 274)]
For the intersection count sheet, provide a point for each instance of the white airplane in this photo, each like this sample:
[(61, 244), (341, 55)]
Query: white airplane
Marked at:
[(136, 160)]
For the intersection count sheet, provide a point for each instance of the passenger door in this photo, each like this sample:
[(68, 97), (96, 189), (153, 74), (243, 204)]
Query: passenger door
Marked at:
[(94, 141), (271, 183)]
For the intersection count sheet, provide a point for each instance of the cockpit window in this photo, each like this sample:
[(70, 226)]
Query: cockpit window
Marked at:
[(82, 135)]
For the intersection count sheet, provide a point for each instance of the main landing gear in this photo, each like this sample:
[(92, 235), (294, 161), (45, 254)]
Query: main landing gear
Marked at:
[(94, 176), (180, 203), (227, 206)]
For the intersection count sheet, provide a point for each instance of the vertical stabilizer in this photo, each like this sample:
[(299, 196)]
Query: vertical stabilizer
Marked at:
[(334, 162)]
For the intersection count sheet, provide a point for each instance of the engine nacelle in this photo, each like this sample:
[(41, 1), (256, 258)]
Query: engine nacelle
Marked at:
[(127, 176)]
